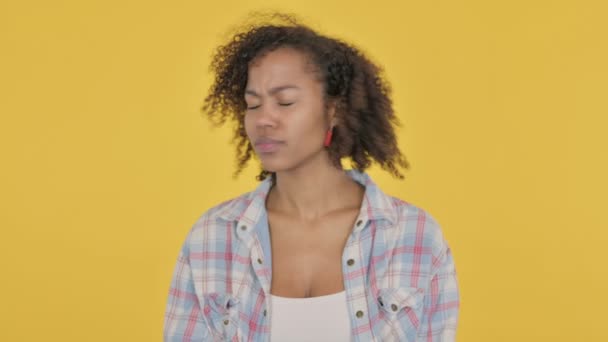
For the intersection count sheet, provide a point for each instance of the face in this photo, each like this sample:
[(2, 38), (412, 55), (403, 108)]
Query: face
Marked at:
[(285, 120)]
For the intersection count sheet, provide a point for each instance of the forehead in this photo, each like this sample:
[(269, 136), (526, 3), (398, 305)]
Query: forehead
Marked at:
[(283, 64)]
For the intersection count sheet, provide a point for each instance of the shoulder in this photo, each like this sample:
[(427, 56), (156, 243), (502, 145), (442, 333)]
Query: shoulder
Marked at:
[(217, 218), (416, 227)]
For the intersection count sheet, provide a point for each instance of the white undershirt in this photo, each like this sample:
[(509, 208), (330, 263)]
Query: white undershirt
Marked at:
[(319, 319)]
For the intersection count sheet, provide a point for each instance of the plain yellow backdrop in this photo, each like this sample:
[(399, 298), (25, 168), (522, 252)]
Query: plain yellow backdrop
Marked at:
[(106, 160)]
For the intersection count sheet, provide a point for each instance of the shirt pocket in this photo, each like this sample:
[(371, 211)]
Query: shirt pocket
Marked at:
[(401, 310), (222, 313)]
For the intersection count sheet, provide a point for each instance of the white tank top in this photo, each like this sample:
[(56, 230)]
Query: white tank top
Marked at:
[(318, 319)]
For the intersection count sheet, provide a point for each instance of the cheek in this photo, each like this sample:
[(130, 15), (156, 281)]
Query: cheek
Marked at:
[(309, 125), (249, 126), (308, 130)]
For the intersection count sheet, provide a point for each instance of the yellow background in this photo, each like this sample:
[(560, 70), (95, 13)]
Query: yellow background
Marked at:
[(107, 161)]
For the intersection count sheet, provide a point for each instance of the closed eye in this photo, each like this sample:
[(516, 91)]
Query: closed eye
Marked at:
[(280, 104)]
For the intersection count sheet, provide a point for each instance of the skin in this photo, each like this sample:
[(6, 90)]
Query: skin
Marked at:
[(313, 206)]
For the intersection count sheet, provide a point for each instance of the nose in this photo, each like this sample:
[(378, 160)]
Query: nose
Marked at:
[(265, 117)]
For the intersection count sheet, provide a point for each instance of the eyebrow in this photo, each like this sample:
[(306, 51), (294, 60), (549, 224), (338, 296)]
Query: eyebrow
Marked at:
[(273, 90)]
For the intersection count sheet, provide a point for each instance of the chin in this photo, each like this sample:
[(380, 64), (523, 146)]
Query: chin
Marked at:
[(275, 165), (272, 167)]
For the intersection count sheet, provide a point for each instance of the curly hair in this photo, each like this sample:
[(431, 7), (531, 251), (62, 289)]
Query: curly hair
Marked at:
[(364, 111)]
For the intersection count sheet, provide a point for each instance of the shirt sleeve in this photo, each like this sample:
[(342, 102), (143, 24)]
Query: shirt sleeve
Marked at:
[(183, 317), (442, 302)]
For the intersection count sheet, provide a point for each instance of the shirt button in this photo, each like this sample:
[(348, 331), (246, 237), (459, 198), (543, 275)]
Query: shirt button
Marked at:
[(264, 313), (259, 261), (226, 322), (394, 307), (359, 314), (243, 227), (350, 262), (359, 223)]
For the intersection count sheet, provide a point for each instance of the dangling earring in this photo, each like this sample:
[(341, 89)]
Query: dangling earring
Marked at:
[(328, 137)]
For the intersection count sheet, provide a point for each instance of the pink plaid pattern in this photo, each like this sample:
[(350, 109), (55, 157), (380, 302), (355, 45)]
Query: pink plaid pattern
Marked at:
[(398, 270)]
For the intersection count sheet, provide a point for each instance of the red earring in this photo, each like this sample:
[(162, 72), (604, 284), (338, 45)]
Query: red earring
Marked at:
[(328, 137)]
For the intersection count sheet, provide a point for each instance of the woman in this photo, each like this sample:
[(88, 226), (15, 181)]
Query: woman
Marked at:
[(316, 252)]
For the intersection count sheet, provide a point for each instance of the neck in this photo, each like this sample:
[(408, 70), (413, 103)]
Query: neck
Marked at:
[(312, 190)]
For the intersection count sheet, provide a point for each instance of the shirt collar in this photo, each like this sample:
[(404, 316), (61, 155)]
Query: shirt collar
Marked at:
[(247, 209)]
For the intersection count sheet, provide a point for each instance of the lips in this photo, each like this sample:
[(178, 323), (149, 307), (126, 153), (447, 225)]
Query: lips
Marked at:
[(267, 145)]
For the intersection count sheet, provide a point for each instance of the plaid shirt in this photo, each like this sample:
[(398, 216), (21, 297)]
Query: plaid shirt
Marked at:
[(398, 272)]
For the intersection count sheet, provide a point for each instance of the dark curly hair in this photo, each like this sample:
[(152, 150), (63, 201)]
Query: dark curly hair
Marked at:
[(364, 112)]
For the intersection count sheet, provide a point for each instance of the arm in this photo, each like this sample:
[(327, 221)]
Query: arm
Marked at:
[(442, 302), (183, 317)]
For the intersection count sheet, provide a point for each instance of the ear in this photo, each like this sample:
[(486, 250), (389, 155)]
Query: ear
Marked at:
[(332, 118)]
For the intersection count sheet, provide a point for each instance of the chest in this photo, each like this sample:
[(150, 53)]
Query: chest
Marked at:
[(234, 287), (307, 255)]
